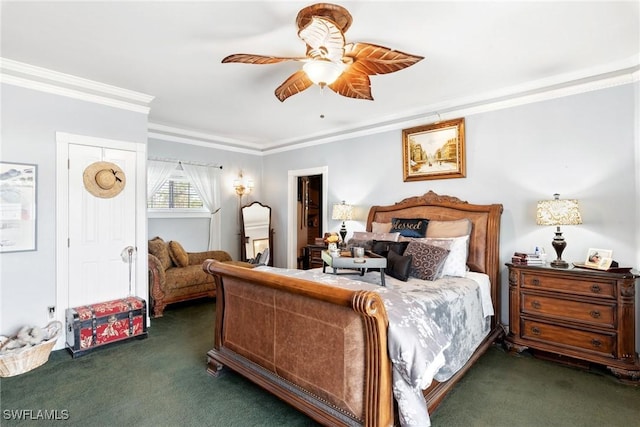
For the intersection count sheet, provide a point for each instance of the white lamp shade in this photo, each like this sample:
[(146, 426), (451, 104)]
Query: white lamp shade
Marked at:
[(342, 212), (558, 212)]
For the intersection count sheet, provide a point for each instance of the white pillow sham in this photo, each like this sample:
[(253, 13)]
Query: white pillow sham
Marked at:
[(456, 263)]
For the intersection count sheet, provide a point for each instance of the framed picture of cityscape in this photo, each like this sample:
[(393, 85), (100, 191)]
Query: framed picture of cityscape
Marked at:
[(434, 151)]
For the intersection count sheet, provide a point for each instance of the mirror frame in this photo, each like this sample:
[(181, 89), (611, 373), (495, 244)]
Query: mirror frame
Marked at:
[(243, 236)]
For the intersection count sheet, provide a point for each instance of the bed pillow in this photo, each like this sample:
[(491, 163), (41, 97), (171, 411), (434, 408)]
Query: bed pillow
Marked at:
[(456, 263), (382, 247), (381, 227), (455, 228), (427, 260), (398, 266), (355, 243), (366, 235), (410, 227)]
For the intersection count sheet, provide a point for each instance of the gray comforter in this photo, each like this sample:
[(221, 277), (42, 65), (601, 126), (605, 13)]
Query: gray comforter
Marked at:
[(434, 328)]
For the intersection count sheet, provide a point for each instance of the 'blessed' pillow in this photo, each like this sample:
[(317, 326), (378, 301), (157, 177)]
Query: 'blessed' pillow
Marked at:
[(410, 227), (427, 260)]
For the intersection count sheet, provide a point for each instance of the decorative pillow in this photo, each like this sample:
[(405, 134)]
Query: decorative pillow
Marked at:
[(456, 228), (178, 254), (381, 227), (456, 264), (160, 249), (398, 266), (410, 227), (427, 261), (365, 235), (355, 243), (382, 247)]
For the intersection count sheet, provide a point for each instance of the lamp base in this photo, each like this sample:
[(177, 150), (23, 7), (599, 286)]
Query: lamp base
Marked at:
[(558, 263), (559, 244), (343, 234)]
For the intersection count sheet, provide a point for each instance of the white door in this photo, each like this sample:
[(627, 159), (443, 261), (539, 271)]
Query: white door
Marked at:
[(99, 229)]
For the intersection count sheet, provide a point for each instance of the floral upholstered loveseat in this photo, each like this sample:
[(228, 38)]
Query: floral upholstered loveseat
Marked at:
[(176, 275)]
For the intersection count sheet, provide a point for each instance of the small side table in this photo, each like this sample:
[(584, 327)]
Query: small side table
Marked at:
[(370, 260)]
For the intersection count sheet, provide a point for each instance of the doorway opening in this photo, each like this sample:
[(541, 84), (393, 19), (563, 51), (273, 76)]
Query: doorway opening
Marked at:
[(307, 211)]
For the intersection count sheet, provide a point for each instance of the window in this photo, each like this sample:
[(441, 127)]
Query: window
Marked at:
[(176, 195)]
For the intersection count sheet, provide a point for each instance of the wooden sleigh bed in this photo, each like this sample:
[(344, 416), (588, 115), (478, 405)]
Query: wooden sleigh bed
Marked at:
[(323, 349)]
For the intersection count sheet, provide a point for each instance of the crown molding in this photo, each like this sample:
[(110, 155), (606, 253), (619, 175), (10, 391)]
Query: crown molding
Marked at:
[(532, 92), (603, 77), (607, 76), (49, 81)]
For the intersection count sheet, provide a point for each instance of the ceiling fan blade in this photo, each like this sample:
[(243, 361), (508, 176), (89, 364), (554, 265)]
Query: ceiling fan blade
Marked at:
[(323, 38), (247, 58), (372, 59), (296, 83), (353, 85)]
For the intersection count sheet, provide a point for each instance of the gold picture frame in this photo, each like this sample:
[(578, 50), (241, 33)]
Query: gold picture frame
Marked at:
[(435, 151)]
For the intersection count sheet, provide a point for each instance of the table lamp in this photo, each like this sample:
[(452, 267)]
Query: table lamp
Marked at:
[(558, 212), (342, 212)]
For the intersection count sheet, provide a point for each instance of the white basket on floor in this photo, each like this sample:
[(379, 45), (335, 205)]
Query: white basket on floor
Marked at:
[(24, 359)]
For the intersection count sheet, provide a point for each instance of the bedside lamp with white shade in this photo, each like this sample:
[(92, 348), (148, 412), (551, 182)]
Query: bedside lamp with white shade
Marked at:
[(558, 212), (342, 212)]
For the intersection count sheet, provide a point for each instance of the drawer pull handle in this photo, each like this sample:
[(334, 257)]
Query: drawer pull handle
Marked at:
[(596, 343), (535, 331), (535, 282), (595, 289), (595, 314), (536, 304)]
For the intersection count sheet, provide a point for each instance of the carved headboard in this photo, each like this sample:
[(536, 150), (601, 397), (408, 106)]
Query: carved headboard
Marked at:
[(484, 241)]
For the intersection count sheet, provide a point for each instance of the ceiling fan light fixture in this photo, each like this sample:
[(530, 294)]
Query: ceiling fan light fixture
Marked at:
[(322, 71)]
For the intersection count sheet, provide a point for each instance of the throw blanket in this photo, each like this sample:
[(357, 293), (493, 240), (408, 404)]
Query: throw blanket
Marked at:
[(428, 336)]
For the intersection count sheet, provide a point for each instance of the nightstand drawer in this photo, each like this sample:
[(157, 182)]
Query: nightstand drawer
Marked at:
[(601, 343), (599, 288), (585, 312)]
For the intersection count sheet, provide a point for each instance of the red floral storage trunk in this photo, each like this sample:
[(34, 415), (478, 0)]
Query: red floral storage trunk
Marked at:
[(95, 325)]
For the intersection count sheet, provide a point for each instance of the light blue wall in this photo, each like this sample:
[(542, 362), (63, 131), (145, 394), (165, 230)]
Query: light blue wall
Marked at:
[(30, 120)]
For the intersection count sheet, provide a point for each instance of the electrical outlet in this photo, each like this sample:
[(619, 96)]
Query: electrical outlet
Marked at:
[(52, 311)]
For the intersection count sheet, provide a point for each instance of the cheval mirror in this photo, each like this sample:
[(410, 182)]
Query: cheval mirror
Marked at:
[(256, 236)]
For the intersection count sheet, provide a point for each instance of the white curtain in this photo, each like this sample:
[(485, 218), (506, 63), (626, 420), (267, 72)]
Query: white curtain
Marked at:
[(157, 174), (207, 181)]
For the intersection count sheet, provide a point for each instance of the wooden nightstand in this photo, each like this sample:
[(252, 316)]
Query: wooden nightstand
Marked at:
[(579, 314), (312, 256)]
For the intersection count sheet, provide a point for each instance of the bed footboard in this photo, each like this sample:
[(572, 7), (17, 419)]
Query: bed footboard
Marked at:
[(319, 348)]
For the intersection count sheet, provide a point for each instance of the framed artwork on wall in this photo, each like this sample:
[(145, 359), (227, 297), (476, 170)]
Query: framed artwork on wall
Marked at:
[(17, 207), (434, 151)]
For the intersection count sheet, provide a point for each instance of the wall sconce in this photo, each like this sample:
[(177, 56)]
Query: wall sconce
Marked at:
[(342, 212), (242, 186), (558, 212)]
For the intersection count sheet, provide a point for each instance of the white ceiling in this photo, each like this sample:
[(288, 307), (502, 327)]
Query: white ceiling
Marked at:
[(474, 51)]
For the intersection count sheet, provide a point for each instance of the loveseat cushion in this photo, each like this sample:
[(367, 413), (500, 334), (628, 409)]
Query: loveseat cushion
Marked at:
[(160, 249), (191, 275), (178, 255)]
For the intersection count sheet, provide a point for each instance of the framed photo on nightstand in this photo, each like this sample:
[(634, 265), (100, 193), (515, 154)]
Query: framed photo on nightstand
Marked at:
[(599, 258)]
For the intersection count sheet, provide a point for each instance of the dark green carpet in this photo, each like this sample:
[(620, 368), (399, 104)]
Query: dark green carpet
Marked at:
[(162, 381)]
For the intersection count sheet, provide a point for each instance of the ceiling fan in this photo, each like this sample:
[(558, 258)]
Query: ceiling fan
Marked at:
[(330, 61)]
